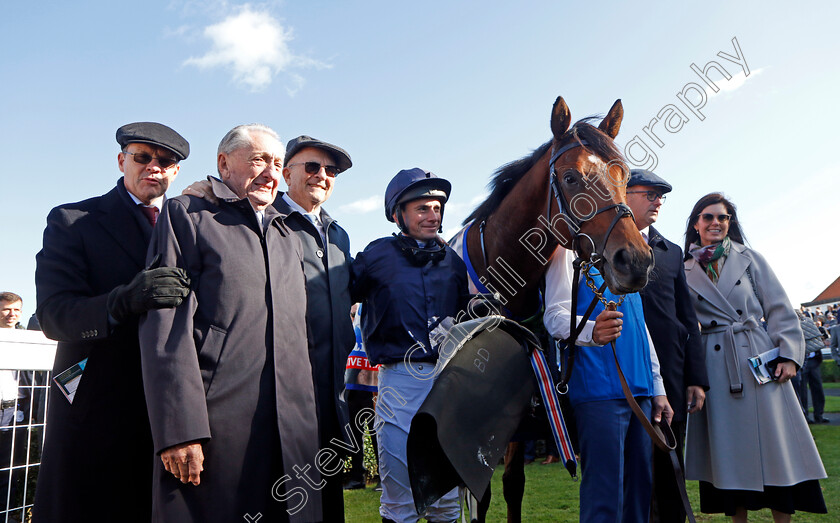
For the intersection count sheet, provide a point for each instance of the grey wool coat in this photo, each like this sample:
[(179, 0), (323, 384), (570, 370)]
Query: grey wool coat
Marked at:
[(746, 440), (229, 367)]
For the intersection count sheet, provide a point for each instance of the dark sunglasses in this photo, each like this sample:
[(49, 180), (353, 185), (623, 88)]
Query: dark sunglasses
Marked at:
[(708, 217), (315, 168), (146, 158), (651, 195)]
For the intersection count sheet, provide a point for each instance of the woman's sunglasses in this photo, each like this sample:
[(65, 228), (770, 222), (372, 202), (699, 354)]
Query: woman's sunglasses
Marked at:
[(708, 217)]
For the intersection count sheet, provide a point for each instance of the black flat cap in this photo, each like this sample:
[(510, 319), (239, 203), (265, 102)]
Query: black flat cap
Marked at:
[(155, 134), (342, 159), (645, 177)]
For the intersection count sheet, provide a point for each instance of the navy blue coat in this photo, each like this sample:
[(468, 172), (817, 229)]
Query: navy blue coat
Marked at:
[(330, 334), (91, 247), (672, 323), (402, 300)]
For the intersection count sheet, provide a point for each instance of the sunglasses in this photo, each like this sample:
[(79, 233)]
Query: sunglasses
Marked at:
[(146, 158), (315, 168), (708, 217), (651, 195)]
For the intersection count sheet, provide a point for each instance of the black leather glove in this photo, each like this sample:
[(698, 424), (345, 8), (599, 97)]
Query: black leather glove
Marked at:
[(154, 287)]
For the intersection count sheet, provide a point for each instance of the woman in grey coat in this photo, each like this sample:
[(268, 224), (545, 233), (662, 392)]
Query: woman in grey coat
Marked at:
[(750, 446)]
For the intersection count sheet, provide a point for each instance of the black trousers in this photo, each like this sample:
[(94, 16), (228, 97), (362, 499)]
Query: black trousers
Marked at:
[(666, 503), (812, 378)]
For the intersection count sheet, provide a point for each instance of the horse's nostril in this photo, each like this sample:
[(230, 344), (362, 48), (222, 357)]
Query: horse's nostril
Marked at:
[(621, 260)]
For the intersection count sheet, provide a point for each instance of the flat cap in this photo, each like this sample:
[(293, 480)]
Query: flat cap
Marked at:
[(645, 177), (155, 134), (342, 159)]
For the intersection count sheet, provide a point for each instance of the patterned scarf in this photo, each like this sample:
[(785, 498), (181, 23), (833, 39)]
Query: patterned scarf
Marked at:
[(711, 257)]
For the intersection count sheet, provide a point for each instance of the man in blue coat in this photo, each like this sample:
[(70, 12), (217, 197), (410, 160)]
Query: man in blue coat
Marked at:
[(411, 285), (672, 323), (310, 170)]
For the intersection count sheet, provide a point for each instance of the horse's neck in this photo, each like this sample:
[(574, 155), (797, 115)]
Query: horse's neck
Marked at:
[(514, 263)]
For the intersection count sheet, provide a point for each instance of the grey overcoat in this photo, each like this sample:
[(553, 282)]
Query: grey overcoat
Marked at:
[(229, 367), (745, 440)]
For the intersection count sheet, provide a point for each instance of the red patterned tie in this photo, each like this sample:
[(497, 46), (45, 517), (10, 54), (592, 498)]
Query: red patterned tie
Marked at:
[(151, 213)]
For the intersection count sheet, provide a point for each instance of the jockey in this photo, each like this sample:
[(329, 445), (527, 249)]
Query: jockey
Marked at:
[(411, 286)]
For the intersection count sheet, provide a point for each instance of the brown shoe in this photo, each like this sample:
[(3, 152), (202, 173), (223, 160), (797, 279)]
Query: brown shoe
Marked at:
[(550, 460)]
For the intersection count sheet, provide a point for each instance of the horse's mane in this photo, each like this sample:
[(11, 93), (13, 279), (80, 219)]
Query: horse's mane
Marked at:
[(509, 174)]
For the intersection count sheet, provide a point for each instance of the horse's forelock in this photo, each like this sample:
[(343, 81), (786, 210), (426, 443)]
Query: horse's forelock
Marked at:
[(509, 174)]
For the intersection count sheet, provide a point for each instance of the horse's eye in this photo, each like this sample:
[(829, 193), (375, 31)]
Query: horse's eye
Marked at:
[(569, 179)]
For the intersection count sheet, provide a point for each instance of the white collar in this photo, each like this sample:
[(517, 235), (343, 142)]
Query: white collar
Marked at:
[(296, 207)]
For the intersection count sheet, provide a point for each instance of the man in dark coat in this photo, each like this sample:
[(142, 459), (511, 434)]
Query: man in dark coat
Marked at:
[(310, 171), (672, 324), (91, 287), (227, 375)]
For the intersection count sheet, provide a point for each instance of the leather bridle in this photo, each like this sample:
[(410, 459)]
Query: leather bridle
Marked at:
[(621, 209)]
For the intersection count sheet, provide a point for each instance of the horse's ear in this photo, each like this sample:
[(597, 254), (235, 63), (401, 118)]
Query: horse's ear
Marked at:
[(612, 122), (560, 118)]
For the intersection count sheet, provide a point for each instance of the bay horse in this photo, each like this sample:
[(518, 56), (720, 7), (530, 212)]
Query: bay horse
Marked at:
[(570, 193)]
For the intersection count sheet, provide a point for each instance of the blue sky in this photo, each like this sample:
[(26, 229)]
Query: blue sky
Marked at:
[(458, 88)]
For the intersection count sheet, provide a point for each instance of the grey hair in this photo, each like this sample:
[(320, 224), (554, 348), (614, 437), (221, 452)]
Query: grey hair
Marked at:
[(240, 136)]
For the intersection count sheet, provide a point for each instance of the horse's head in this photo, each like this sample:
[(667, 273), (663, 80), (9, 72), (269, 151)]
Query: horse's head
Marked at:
[(589, 177)]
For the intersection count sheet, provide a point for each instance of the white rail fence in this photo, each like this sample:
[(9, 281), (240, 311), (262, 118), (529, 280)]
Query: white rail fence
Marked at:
[(26, 357)]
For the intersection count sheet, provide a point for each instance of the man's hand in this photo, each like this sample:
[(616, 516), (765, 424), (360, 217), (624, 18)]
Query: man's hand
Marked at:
[(695, 397), (662, 409), (607, 327), (202, 189), (152, 288), (184, 461), (785, 370)]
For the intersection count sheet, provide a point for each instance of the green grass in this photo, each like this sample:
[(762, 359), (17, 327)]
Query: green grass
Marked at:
[(550, 495)]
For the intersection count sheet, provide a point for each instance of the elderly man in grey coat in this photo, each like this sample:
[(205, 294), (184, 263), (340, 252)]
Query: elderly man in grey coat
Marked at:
[(227, 375)]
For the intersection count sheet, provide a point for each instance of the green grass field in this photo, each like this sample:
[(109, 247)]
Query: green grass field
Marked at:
[(550, 495)]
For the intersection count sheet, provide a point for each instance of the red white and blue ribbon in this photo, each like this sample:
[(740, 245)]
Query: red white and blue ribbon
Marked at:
[(552, 408)]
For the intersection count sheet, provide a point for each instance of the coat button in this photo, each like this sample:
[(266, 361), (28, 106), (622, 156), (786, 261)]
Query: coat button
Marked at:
[(717, 347), (738, 282), (319, 253), (714, 323), (739, 312)]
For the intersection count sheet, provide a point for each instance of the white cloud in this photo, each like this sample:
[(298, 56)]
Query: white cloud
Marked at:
[(366, 205), (736, 82), (254, 46)]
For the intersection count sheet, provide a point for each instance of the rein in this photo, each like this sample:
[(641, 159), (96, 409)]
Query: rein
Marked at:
[(660, 432)]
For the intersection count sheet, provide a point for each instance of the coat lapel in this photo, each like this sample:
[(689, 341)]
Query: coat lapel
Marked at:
[(700, 283), (734, 268), (117, 221)]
